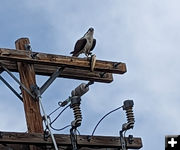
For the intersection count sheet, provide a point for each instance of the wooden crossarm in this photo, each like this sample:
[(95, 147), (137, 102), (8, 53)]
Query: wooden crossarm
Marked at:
[(64, 140), (60, 60), (69, 73)]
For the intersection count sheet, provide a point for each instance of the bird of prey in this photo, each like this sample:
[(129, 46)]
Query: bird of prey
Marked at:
[(85, 44)]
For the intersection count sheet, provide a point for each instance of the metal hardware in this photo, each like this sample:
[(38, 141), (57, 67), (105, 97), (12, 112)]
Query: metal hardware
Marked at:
[(102, 74), (33, 55), (51, 79), (78, 91), (46, 134), (130, 139), (22, 85), (89, 83), (35, 91), (116, 64), (122, 140), (73, 138), (28, 47), (11, 88)]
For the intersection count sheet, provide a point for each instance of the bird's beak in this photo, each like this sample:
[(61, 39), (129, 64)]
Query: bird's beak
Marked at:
[(91, 29)]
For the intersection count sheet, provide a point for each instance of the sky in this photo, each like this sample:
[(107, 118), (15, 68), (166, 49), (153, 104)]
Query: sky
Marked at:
[(143, 34)]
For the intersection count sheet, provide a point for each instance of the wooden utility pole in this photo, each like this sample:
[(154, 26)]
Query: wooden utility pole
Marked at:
[(27, 77)]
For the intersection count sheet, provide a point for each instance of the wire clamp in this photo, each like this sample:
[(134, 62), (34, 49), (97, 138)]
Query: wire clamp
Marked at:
[(130, 139), (35, 91), (73, 138), (122, 140), (46, 134)]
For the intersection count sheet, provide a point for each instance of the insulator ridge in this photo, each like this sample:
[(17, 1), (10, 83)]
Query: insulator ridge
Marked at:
[(130, 116), (77, 114)]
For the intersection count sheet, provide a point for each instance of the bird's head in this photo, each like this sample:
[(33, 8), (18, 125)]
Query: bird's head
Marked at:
[(91, 29), (90, 32)]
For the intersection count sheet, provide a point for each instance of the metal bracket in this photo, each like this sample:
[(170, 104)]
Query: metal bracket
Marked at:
[(39, 91), (73, 138), (51, 79), (102, 74), (46, 134), (116, 64), (34, 55), (35, 90), (130, 139), (28, 47), (15, 79), (122, 140), (11, 88)]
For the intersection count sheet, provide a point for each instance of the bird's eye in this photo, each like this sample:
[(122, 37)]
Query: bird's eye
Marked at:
[(91, 29)]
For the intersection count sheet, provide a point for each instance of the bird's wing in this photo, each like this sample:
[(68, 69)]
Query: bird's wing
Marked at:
[(80, 44), (93, 45)]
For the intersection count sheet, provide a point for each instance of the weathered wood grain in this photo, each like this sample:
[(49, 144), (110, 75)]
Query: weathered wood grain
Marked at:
[(60, 60), (69, 73), (64, 140), (31, 107)]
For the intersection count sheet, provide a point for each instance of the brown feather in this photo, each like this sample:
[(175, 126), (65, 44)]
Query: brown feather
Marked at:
[(93, 45), (79, 47)]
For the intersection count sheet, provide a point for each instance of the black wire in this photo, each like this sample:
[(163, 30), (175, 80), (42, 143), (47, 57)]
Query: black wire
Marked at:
[(54, 111), (59, 114), (78, 132), (60, 128), (103, 118)]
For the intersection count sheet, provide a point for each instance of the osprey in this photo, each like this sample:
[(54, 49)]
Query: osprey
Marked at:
[(85, 44)]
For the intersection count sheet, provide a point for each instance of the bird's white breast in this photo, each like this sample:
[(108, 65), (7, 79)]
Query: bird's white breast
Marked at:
[(89, 43)]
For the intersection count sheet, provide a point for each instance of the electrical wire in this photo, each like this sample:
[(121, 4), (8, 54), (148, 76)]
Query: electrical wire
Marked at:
[(78, 132), (60, 128), (103, 118), (51, 122), (54, 111), (59, 114), (125, 133)]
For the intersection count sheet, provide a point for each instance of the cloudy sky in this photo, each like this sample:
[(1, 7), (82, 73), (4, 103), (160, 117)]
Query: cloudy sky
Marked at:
[(143, 34)]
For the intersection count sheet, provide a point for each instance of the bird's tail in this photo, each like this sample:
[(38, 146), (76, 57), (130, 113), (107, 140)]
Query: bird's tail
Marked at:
[(74, 54)]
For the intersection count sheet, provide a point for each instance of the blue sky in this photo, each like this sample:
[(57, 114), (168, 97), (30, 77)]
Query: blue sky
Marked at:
[(143, 34)]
